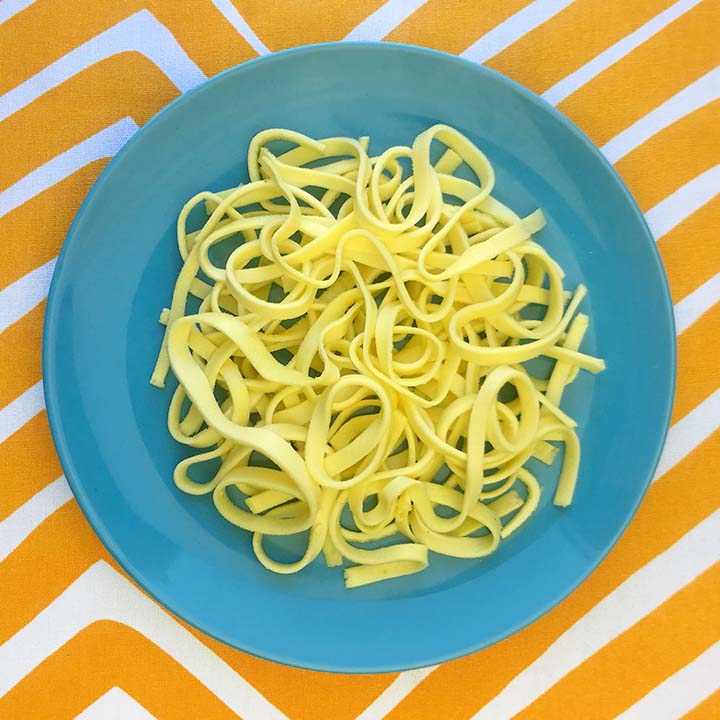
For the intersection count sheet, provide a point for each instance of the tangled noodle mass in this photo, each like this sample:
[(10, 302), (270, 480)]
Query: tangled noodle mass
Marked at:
[(356, 364)]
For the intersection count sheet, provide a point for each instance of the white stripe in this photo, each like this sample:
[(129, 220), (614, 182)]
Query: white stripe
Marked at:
[(115, 704), (639, 595), (696, 95), (681, 692), (231, 14), (691, 307), (558, 92), (385, 19), (689, 432), (101, 145), (21, 410), (140, 32), (512, 29), (102, 593), (686, 200), (8, 8), (398, 689), (16, 527), (19, 298)]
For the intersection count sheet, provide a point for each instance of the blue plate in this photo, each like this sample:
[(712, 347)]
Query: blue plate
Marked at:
[(117, 269)]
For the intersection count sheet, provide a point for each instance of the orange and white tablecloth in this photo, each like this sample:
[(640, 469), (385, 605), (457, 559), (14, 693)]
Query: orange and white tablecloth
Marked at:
[(639, 639)]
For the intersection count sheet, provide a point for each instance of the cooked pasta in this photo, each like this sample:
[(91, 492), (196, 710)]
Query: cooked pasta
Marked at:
[(357, 369)]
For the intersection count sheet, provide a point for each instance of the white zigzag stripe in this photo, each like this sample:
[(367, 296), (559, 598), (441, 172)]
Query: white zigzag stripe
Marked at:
[(17, 526), (20, 297), (630, 602), (101, 593), (115, 704), (229, 11), (140, 32), (8, 8), (512, 29), (687, 433), (696, 95), (101, 145), (679, 206), (680, 693), (21, 410), (24, 294), (398, 689), (566, 87), (385, 19), (691, 307)]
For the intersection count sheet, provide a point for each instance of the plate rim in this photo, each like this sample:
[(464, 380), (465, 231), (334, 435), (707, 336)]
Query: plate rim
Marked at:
[(50, 385)]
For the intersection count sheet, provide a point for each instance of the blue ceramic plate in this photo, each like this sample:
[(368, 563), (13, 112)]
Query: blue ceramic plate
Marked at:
[(117, 269)]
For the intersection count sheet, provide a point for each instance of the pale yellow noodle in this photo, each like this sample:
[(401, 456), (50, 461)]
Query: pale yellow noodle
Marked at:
[(398, 298)]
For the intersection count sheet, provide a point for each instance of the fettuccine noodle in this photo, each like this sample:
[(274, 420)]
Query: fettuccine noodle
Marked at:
[(355, 370)]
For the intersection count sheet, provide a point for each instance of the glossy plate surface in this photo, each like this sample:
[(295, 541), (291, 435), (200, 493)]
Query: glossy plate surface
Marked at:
[(117, 269)]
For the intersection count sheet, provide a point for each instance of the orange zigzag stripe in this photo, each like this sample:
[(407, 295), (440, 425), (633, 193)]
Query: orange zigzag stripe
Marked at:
[(603, 107), (707, 710), (104, 655), (54, 29), (673, 157), (66, 541), (113, 98), (668, 639), (27, 464), (551, 52), (44, 218), (453, 25), (301, 23)]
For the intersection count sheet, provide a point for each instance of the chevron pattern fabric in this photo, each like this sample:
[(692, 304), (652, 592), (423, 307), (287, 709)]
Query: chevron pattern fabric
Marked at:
[(640, 639)]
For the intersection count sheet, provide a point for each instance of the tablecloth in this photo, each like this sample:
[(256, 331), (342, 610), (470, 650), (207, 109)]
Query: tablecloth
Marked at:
[(639, 639)]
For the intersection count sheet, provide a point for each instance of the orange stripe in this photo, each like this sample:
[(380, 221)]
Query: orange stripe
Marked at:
[(667, 639), (113, 97), (300, 23), (64, 546), (27, 464), (697, 363), (46, 219), (301, 694), (673, 157), (453, 25), (707, 710), (65, 541), (690, 251), (556, 49), (105, 655), (45, 31), (21, 340), (469, 683), (656, 70)]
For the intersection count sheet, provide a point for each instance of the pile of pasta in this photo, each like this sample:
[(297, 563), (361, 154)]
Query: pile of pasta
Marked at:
[(356, 371)]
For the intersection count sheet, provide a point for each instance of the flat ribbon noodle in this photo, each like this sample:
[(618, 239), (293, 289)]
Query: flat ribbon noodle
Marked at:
[(357, 369)]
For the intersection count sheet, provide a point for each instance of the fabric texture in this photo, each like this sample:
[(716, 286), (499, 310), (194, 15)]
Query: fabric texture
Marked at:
[(640, 639)]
